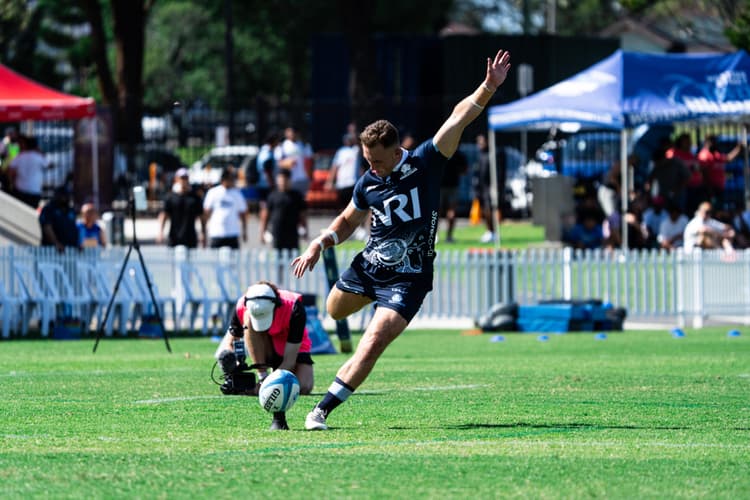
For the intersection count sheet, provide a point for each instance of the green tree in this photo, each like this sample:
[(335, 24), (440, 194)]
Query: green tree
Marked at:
[(738, 30)]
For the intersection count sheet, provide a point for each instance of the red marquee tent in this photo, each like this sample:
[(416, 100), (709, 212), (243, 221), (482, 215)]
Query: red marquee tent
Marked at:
[(23, 99)]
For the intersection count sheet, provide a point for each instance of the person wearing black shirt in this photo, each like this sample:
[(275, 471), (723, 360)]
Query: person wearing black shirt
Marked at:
[(454, 169), (58, 221), (284, 214), (182, 206)]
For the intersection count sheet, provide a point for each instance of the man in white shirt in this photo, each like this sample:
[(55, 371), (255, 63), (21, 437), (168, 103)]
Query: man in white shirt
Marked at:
[(27, 173), (290, 154), (672, 229), (344, 170), (226, 211), (705, 232)]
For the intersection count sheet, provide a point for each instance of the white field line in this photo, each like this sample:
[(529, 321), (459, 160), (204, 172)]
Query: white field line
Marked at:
[(437, 442)]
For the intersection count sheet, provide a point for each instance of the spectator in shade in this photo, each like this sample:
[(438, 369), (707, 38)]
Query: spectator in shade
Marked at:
[(713, 163), (695, 191), (672, 229), (653, 216), (58, 221), (703, 231), (741, 224), (457, 166), (586, 234), (90, 233)]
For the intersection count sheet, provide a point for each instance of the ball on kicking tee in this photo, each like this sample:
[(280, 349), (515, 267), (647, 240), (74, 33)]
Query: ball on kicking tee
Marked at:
[(279, 391)]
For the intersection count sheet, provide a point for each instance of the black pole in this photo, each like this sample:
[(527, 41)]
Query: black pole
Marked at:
[(229, 61)]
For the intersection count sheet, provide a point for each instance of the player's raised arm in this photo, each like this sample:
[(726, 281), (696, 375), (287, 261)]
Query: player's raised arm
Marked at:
[(449, 135)]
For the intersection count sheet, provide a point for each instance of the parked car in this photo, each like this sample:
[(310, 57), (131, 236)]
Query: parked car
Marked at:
[(207, 170)]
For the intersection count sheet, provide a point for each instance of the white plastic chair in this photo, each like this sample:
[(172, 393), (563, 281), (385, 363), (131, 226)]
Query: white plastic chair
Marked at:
[(34, 295), (197, 298), (95, 283), (143, 305), (60, 286), (13, 312), (226, 279)]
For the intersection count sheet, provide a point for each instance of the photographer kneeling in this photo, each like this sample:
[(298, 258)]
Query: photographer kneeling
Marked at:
[(271, 323)]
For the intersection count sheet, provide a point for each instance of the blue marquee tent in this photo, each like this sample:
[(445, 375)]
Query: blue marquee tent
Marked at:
[(629, 89)]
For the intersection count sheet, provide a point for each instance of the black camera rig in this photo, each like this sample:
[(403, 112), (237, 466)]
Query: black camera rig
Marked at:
[(239, 378)]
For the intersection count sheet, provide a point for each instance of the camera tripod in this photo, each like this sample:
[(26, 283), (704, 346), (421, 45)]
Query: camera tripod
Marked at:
[(134, 245)]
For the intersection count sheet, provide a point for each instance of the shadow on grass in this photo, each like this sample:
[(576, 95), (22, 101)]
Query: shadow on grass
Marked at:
[(525, 425)]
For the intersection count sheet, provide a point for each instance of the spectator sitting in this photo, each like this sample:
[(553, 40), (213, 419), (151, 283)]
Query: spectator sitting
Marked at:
[(585, 234), (90, 234), (612, 229), (741, 225), (705, 232), (672, 228), (653, 216)]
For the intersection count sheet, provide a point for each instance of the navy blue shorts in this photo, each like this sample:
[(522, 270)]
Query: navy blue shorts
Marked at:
[(404, 293)]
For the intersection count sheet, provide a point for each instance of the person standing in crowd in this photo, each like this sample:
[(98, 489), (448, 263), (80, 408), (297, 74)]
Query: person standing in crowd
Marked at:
[(225, 209), (26, 172), (682, 151), (456, 167), (182, 207), (290, 154), (265, 164), (395, 270), (344, 170), (90, 233), (483, 187), (713, 163), (58, 221), (668, 176), (271, 321), (284, 216), (9, 149)]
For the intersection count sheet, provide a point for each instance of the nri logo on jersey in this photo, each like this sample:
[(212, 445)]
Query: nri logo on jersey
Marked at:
[(398, 205)]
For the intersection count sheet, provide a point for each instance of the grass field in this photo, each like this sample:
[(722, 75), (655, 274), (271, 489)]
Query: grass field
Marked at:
[(638, 415)]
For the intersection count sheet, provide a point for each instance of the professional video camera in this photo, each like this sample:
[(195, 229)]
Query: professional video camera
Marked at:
[(239, 378)]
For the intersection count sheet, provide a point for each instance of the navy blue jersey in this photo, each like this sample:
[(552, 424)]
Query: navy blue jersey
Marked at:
[(404, 211)]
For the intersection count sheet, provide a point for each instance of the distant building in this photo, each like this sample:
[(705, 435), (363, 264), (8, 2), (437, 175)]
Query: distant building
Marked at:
[(692, 30)]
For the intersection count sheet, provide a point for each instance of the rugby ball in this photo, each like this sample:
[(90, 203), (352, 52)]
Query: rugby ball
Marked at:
[(279, 391)]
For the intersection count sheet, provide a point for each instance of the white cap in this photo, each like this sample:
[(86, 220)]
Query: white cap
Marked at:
[(260, 300)]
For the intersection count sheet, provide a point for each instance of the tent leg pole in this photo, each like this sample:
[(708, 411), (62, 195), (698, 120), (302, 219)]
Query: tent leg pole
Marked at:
[(624, 135)]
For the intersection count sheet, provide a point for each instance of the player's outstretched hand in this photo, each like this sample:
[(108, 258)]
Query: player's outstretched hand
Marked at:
[(497, 69), (307, 260)]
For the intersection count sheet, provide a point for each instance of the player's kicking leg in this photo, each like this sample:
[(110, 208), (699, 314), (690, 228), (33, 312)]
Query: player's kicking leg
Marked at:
[(385, 326)]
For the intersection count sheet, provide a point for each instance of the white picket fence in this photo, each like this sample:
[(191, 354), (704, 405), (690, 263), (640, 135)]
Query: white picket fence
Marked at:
[(676, 286)]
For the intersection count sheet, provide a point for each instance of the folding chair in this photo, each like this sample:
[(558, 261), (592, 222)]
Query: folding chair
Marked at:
[(143, 305), (13, 312), (60, 286), (226, 279), (197, 298), (94, 282), (39, 302)]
